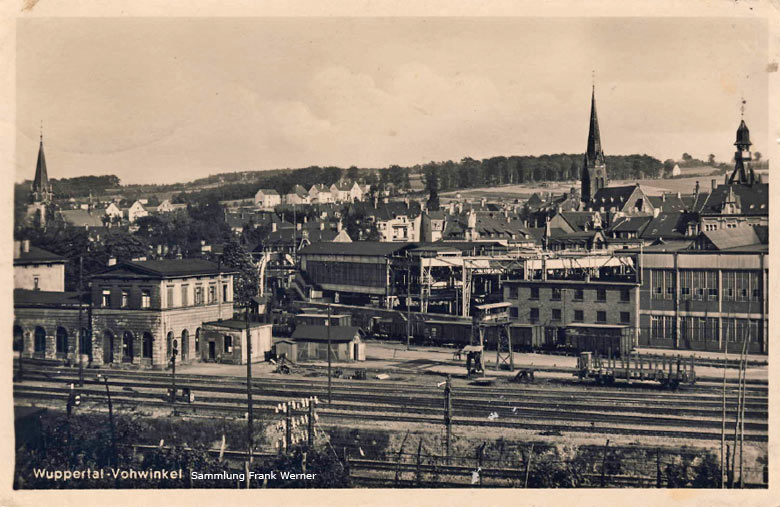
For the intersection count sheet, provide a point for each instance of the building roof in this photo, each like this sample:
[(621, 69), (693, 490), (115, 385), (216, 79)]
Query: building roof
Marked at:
[(723, 239), (37, 255), (360, 248), (164, 268), (668, 202), (578, 219), (267, 191), (82, 218), (668, 226), (613, 196), (320, 333), (754, 199), (236, 324), (48, 299), (630, 224)]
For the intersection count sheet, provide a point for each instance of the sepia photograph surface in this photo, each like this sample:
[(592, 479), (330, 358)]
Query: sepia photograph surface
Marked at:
[(496, 252)]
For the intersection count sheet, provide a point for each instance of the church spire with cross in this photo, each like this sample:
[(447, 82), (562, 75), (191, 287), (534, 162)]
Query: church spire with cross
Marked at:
[(41, 187), (594, 168)]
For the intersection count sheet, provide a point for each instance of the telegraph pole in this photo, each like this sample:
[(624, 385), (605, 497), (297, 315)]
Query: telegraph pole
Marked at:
[(327, 324), (448, 416), (110, 418), (409, 301), (79, 344), (250, 415), (174, 352)]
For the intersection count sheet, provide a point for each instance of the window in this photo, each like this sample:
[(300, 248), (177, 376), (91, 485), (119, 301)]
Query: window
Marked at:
[(125, 298), (662, 328), (105, 302), (556, 314), (625, 317), (661, 283), (534, 317), (513, 292), (534, 292), (198, 295), (579, 315), (146, 298), (224, 292), (169, 296), (625, 295), (556, 294), (579, 294), (212, 294), (185, 293), (228, 344), (36, 280), (601, 295), (601, 316), (514, 312)]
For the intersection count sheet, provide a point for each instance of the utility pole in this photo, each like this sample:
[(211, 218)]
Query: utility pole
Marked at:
[(327, 329), (409, 300), (310, 425), (79, 345), (174, 353), (250, 414), (287, 426), (110, 418), (448, 416), (723, 419)]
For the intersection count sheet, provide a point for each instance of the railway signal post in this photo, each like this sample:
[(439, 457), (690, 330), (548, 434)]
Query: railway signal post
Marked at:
[(448, 416)]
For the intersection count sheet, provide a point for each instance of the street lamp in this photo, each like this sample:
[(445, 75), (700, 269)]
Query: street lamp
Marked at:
[(100, 377)]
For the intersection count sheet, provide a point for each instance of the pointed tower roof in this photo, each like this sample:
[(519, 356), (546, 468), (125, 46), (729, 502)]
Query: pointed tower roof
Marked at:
[(41, 182), (594, 154), (743, 136)]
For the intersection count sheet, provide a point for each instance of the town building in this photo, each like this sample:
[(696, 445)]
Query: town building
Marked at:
[(46, 324), (142, 310), (37, 269), (298, 195), (224, 341), (267, 198), (312, 343)]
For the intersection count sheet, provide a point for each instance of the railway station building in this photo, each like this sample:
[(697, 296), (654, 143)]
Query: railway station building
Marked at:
[(142, 310)]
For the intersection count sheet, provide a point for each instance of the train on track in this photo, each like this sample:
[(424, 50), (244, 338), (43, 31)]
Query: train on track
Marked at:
[(457, 332)]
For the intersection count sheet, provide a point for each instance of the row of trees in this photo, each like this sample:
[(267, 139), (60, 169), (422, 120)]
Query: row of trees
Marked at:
[(470, 173)]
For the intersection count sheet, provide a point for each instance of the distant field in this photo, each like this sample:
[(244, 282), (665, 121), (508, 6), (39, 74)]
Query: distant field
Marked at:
[(650, 187)]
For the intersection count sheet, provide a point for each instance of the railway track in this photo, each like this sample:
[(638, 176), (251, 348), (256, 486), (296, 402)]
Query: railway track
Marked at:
[(594, 411)]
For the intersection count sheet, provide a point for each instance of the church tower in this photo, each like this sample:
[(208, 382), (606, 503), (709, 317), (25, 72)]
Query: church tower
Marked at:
[(743, 173), (41, 188), (594, 168)]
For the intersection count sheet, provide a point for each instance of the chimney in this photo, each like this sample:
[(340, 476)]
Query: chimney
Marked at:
[(26, 246), (678, 195), (273, 226), (112, 261), (482, 202), (656, 211), (714, 184), (17, 249), (305, 219), (322, 225), (339, 225), (663, 197), (696, 189), (298, 226)]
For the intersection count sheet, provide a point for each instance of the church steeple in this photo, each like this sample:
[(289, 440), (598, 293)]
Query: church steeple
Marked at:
[(594, 169), (41, 188)]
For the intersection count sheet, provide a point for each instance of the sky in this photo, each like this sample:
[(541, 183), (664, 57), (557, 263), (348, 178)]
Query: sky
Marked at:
[(161, 100)]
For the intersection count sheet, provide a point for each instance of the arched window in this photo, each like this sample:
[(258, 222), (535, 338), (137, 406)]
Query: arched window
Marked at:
[(185, 344), (86, 343), (40, 339), (169, 344), (148, 342), (108, 346), (62, 340), (228, 344), (197, 340), (18, 338), (127, 347)]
